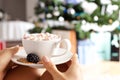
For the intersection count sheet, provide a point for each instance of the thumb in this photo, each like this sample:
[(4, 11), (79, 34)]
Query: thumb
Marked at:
[(5, 56), (13, 50), (74, 62), (52, 69), (75, 59)]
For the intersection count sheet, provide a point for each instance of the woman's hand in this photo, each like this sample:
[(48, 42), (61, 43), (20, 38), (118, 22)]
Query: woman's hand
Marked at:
[(72, 73), (5, 57)]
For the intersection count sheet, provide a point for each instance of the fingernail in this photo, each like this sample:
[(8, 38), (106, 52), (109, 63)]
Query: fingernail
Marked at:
[(17, 45), (14, 47), (45, 59)]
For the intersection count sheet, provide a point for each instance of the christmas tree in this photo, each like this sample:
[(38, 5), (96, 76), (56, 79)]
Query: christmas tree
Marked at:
[(99, 12)]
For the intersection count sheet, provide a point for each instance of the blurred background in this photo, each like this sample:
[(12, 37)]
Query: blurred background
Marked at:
[(92, 26)]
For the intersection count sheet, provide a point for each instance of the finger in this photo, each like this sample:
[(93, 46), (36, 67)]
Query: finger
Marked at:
[(6, 56), (11, 65), (75, 59), (75, 66), (13, 50), (50, 66), (9, 52)]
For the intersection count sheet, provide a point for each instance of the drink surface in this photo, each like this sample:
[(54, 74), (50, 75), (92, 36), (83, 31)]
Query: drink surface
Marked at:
[(41, 36)]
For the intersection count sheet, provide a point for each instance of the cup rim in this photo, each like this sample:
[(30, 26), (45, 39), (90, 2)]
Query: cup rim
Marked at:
[(41, 40), (56, 39)]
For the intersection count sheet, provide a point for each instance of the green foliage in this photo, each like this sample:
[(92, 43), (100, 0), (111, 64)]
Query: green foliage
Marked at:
[(103, 19), (78, 8), (86, 17), (117, 2), (35, 30), (117, 30), (39, 30), (80, 33), (79, 12), (49, 29)]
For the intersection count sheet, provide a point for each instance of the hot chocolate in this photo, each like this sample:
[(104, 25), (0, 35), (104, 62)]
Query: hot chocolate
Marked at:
[(41, 36)]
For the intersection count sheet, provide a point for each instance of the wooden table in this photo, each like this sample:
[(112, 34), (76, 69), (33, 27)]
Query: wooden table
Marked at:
[(106, 70)]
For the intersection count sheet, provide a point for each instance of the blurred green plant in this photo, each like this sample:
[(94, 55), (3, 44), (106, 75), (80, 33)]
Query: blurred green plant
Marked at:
[(81, 35)]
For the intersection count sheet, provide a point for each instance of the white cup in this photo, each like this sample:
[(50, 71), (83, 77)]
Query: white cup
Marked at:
[(45, 47)]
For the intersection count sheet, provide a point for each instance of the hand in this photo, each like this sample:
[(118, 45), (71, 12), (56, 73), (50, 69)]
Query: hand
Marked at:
[(5, 57), (72, 73)]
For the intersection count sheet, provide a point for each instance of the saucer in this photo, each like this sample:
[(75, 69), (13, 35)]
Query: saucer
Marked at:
[(56, 60)]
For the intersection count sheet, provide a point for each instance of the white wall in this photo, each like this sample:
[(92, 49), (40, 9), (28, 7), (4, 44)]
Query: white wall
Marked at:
[(30, 5)]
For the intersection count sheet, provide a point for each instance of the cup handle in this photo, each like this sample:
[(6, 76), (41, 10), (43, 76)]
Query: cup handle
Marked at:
[(67, 47)]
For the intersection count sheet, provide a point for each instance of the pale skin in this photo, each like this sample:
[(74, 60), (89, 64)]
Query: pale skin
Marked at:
[(5, 57), (67, 71), (73, 72)]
